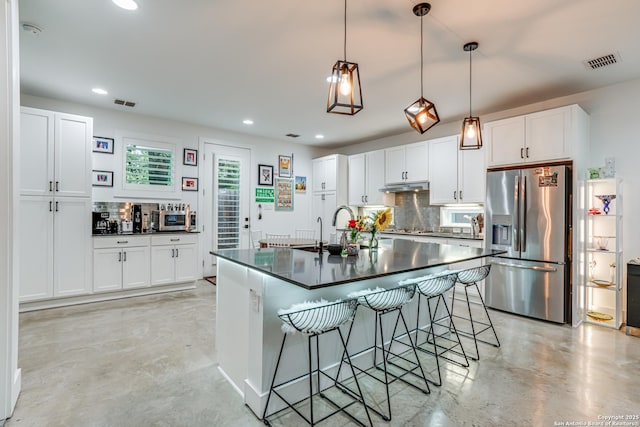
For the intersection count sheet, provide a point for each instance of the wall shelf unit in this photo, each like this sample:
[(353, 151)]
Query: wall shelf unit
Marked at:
[(603, 253)]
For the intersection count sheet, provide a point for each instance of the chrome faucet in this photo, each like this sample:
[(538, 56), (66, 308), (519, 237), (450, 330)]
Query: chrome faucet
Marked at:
[(320, 246), (343, 238)]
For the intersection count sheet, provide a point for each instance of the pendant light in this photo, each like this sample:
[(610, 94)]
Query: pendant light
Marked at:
[(471, 138), (422, 114), (345, 93)]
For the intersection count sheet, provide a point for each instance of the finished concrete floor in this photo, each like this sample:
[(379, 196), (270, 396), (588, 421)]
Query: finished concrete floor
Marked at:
[(151, 361)]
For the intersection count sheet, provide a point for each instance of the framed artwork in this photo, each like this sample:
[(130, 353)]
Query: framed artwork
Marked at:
[(284, 194), (102, 145), (190, 157), (265, 175), (301, 184), (189, 184), (284, 166), (102, 179)]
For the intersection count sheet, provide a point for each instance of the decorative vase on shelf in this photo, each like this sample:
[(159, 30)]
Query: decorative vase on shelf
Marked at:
[(606, 200)]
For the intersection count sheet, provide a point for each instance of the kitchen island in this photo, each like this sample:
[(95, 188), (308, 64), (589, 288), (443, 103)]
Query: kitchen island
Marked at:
[(252, 284)]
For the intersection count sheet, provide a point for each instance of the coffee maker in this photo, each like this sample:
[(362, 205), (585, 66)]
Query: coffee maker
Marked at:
[(100, 223), (136, 217)]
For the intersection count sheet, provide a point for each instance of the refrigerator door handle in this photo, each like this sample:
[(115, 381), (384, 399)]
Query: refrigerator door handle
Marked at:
[(526, 267), (516, 212), (523, 239)]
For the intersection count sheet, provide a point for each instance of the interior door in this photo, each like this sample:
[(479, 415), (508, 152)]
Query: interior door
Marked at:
[(226, 201)]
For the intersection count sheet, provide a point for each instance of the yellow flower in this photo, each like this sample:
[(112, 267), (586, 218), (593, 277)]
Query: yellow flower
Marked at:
[(382, 219)]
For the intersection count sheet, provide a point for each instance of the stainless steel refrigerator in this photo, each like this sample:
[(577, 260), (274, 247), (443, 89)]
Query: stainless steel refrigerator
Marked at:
[(528, 214)]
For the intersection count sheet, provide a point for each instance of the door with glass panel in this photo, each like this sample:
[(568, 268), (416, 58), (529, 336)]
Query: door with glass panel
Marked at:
[(226, 201)]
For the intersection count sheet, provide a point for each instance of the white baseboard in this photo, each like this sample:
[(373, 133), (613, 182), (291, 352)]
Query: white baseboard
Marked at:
[(234, 385)]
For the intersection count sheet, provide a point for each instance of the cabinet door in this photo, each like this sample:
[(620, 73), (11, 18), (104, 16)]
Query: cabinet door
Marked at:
[(547, 135), (374, 178), (36, 248), (472, 176), (330, 173), (73, 155), (417, 162), (136, 264), (357, 187), (318, 174), (505, 141), (186, 263), (107, 269), (443, 170), (394, 168), (162, 265), (36, 152), (72, 247)]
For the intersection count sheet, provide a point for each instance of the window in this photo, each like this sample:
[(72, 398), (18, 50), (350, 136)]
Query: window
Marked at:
[(149, 166), (458, 216), (228, 204)]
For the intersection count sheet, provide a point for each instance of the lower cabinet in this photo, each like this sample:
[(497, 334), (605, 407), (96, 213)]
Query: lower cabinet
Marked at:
[(173, 259), (121, 263)]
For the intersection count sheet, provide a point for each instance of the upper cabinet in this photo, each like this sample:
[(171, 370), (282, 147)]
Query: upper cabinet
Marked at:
[(56, 154), (366, 178), (327, 171), (407, 163), (546, 135), (455, 176)]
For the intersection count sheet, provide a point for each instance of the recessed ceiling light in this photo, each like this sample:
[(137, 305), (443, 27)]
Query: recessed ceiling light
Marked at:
[(99, 91), (247, 121), (126, 4), (319, 136)]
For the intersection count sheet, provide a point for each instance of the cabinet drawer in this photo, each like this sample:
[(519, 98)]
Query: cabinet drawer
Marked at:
[(127, 241), (174, 239)]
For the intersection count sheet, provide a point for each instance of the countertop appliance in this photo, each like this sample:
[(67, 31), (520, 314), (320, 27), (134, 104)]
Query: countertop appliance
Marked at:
[(528, 214), (166, 220)]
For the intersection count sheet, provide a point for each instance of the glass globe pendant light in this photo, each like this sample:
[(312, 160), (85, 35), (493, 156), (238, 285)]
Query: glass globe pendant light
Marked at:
[(422, 114), (345, 93), (471, 138)]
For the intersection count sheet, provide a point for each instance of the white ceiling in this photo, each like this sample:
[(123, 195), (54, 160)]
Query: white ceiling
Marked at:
[(217, 62)]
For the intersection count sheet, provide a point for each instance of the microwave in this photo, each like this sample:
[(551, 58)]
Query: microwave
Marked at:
[(170, 220)]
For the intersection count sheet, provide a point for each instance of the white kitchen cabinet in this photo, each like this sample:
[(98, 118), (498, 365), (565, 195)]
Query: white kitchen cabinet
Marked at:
[(553, 134), (173, 259), (407, 164), (366, 178), (455, 176), (121, 262), (55, 247), (323, 206), (329, 172), (55, 154)]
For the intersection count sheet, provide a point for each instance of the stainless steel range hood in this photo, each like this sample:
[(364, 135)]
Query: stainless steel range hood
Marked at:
[(398, 188)]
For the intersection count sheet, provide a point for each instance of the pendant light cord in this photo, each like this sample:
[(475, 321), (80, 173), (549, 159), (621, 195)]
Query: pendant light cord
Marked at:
[(345, 30), (421, 60), (470, 82)]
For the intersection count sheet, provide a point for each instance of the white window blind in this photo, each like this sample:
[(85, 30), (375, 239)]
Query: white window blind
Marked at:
[(149, 166), (228, 183)]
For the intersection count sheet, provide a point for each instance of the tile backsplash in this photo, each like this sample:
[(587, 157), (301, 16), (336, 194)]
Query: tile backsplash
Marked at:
[(122, 211), (412, 211)]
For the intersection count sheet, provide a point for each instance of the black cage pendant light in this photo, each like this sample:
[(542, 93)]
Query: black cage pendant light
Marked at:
[(345, 93), (422, 114), (471, 138)]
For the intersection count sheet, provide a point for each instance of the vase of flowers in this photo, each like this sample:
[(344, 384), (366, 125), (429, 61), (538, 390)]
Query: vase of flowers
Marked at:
[(355, 227), (378, 221)]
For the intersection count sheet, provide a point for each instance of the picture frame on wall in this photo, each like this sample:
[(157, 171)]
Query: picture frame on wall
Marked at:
[(190, 157), (189, 184), (285, 166), (103, 145), (265, 175), (284, 194), (102, 178)]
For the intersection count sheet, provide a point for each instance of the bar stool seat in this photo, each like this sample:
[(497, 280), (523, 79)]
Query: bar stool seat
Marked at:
[(312, 320), (446, 340), (469, 278), (385, 302)]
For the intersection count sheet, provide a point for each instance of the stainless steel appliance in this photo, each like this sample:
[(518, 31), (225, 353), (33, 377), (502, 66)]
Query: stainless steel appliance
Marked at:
[(528, 214), (165, 220)]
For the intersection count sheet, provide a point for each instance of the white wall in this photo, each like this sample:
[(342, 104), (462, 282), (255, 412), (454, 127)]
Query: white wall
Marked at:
[(112, 123), (9, 133)]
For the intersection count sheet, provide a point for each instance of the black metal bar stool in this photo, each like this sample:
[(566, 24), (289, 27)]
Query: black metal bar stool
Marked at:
[(470, 278), (442, 337), (388, 302), (313, 322)]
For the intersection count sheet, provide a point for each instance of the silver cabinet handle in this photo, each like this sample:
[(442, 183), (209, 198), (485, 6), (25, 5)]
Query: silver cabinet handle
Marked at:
[(177, 253), (119, 256), (526, 267), (125, 257), (50, 185), (57, 207), (454, 195), (123, 242), (50, 206), (175, 240), (57, 186), (460, 193), (527, 152), (172, 253), (522, 153), (366, 199)]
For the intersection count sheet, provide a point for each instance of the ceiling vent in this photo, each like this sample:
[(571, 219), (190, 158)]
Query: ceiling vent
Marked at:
[(125, 103), (292, 135), (603, 61)]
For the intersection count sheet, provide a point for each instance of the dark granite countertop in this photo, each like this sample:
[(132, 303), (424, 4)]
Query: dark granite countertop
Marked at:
[(155, 233), (311, 271)]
